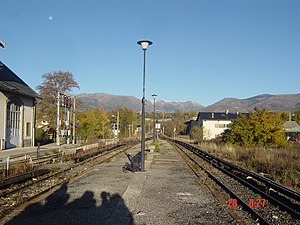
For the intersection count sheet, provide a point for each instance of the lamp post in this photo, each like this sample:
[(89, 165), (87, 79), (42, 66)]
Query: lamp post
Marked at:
[(144, 44), (154, 95)]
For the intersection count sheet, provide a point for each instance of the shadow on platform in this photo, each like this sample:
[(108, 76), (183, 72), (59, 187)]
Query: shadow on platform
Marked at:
[(84, 210)]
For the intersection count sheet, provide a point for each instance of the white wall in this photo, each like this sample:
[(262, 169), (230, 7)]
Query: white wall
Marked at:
[(213, 128), (2, 115), (27, 116)]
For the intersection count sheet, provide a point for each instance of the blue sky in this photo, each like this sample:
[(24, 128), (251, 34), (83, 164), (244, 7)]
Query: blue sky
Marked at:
[(203, 50)]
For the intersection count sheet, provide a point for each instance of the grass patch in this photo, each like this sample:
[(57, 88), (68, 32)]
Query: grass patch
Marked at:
[(55, 151), (156, 146), (47, 153), (280, 164), (108, 160), (55, 168)]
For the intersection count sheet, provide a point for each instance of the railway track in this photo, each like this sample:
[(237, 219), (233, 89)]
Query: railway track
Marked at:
[(18, 191), (267, 201)]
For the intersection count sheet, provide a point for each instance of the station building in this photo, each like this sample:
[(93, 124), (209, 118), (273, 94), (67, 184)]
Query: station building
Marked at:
[(17, 110)]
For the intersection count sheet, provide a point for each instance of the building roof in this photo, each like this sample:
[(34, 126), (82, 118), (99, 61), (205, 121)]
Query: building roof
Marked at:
[(10, 82), (217, 116), (293, 130)]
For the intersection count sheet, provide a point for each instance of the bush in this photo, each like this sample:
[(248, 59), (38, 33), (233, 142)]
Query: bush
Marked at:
[(261, 128), (156, 146), (41, 136), (196, 133)]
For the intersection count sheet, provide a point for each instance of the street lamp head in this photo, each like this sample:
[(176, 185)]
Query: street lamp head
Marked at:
[(2, 44), (154, 95), (144, 44)]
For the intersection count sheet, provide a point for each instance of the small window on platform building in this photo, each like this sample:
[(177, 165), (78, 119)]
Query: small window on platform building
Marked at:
[(28, 129), (218, 125)]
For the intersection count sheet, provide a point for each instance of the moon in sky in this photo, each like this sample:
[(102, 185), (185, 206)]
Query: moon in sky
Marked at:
[(50, 18)]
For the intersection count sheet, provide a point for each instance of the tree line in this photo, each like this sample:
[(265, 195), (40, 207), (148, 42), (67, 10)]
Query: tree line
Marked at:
[(93, 124), (260, 128)]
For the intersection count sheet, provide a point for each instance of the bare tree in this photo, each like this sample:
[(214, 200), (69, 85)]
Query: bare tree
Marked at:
[(54, 82)]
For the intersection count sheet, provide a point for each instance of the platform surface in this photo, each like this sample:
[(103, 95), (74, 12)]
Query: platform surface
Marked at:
[(167, 193)]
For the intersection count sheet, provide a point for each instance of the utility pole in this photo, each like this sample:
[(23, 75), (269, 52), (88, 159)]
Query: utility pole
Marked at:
[(132, 131), (65, 117), (158, 125), (74, 123), (68, 125), (57, 119), (129, 130), (154, 120), (118, 121)]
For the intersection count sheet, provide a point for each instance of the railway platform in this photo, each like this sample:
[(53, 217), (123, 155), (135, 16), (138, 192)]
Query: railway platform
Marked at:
[(168, 192), (13, 152)]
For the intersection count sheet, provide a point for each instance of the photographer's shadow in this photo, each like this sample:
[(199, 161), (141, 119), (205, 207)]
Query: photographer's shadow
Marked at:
[(84, 210)]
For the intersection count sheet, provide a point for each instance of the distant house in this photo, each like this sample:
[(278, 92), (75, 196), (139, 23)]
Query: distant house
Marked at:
[(291, 129), (17, 110), (213, 123)]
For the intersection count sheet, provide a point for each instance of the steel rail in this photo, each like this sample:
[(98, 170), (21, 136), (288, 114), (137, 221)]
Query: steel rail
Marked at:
[(117, 151), (34, 173), (232, 194), (251, 186), (217, 162), (271, 184)]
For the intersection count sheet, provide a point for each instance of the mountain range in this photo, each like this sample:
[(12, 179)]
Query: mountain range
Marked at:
[(110, 102), (283, 102)]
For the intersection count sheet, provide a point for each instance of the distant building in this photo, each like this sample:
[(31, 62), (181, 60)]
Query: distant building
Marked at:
[(17, 110), (291, 129), (213, 123)]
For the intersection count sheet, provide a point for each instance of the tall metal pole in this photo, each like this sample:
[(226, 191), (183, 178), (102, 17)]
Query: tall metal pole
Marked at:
[(118, 121), (74, 123), (156, 122), (154, 130), (143, 115), (144, 44), (68, 126), (57, 119)]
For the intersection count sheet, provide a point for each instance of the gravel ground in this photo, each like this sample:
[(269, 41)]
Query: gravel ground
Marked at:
[(167, 193), (171, 195)]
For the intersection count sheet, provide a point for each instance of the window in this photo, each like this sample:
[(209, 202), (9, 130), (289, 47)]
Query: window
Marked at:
[(219, 125), (28, 129), (13, 116)]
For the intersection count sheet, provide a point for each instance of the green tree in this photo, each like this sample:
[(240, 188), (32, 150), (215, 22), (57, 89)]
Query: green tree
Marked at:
[(261, 128), (127, 121), (40, 135), (178, 121), (183, 115), (93, 124), (196, 133), (169, 128), (57, 81)]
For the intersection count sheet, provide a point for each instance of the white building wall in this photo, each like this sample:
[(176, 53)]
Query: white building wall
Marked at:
[(213, 128), (28, 123), (2, 118), (26, 138)]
